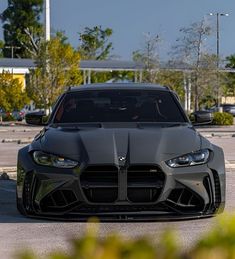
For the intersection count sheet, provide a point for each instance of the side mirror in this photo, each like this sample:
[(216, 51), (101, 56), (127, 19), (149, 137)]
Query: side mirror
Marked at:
[(35, 118), (201, 117)]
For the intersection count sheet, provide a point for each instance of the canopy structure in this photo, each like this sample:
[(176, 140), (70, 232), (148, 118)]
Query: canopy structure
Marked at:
[(21, 67)]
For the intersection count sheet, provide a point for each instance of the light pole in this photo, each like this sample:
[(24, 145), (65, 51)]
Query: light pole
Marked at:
[(47, 20), (218, 48), (218, 33)]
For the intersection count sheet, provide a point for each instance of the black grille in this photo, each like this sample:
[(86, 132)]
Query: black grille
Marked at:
[(217, 189), (144, 183), (184, 200), (58, 200), (100, 183)]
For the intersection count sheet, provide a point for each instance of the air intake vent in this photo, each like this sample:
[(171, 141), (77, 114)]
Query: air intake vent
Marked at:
[(184, 200), (58, 200), (100, 183), (217, 189), (28, 186), (144, 183)]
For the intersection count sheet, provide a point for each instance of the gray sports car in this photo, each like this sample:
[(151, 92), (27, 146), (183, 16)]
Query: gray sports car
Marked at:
[(119, 152)]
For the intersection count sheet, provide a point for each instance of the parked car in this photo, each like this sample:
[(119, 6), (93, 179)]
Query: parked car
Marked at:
[(18, 115), (119, 152), (229, 108), (203, 115)]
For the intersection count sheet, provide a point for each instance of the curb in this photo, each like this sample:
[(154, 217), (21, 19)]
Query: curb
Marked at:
[(7, 173), (208, 134), (18, 141)]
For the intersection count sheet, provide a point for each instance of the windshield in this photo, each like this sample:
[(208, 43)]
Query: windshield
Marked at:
[(118, 106)]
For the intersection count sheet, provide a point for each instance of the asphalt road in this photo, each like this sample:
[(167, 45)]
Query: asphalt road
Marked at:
[(18, 232)]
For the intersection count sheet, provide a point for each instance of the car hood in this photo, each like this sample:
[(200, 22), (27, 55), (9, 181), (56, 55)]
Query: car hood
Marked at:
[(110, 145)]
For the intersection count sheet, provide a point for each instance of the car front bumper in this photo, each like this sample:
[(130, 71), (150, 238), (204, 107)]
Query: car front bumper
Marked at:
[(137, 192)]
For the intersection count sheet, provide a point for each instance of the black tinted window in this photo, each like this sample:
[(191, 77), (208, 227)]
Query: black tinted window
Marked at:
[(118, 106)]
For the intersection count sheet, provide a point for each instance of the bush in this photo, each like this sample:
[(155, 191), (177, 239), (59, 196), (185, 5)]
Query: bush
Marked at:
[(222, 118), (9, 117), (219, 243)]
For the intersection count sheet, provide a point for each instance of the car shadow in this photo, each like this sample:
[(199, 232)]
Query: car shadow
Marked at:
[(10, 214), (8, 210)]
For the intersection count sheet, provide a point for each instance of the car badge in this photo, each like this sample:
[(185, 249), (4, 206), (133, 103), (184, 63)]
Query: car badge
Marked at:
[(121, 158)]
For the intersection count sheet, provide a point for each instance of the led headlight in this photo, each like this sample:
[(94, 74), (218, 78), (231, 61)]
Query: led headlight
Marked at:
[(45, 159), (194, 158)]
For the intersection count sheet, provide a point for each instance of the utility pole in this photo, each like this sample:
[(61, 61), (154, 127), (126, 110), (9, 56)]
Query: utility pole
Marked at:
[(47, 21), (218, 49)]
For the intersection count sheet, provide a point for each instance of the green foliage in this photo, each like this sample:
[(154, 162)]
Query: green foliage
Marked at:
[(172, 79), (148, 56), (207, 101), (95, 44), (1, 48), (57, 68), (12, 95), (8, 118), (191, 50), (114, 76), (22, 27), (229, 87), (219, 243), (222, 118)]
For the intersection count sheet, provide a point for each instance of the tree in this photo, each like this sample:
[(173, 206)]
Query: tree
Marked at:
[(57, 68), (1, 48), (189, 49), (229, 88), (172, 79), (95, 44), (12, 95), (149, 57), (22, 28)]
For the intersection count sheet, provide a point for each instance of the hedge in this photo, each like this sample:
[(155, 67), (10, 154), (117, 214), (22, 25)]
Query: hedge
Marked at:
[(219, 243), (222, 118)]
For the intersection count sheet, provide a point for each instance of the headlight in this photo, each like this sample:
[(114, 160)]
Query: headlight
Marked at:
[(194, 158), (45, 159)]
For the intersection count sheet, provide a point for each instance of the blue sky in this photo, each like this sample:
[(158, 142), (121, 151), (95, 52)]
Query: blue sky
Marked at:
[(130, 19)]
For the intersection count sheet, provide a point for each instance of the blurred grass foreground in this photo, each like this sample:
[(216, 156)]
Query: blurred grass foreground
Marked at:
[(219, 243)]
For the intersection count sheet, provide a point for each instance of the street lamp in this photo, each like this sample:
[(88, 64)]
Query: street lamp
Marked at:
[(47, 20), (218, 46), (218, 32)]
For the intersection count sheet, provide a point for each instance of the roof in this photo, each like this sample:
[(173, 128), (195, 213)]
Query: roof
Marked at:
[(100, 65), (121, 86), (110, 65), (17, 63), (84, 64)]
